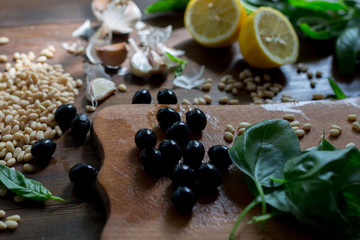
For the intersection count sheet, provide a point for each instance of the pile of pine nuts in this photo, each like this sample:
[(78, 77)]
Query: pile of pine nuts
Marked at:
[(30, 93)]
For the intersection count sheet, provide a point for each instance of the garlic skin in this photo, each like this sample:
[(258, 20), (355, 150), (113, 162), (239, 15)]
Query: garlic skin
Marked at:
[(113, 55), (102, 37), (119, 15)]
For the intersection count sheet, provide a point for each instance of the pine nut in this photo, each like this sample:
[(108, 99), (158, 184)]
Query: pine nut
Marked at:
[(3, 225), (336, 127), (196, 101), (318, 96), (234, 91), (312, 83), (300, 133), (241, 131), (310, 75), (206, 87), (90, 108), (208, 99), (20, 157), (295, 128), (122, 87), (233, 102), (356, 126), (295, 124), (244, 124), (230, 128), (334, 132), (3, 58), (3, 190), (223, 100), (18, 199), (27, 167), (269, 94), (2, 213), (4, 40), (14, 218), (202, 101), (257, 79), (228, 87), (238, 85), (318, 74), (185, 102), (28, 157), (289, 117), (228, 136), (352, 117), (221, 86), (350, 145), (306, 126), (11, 162), (11, 224), (10, 146)]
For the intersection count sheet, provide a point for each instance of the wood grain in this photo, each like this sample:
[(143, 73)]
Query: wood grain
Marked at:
[(140, 206)]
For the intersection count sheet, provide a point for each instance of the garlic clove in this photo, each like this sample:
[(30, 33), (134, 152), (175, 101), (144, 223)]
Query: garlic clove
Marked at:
[(114, 54), (139, 65), (99, 89), (157, 63)]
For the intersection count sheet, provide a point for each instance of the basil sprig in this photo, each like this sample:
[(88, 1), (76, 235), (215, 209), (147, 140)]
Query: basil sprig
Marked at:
[(16, 182), (319, 186)]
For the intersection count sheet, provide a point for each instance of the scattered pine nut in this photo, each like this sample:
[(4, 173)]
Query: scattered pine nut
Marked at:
[(223, 100), (11, 224), (16, 218), (196, 101), (18, 199), (241, 131), (318, 74), (221, 86), (295, 123), (208, 99), (310, 75), (27, 167), (318, 96), (336, 127), (334, 132), (4, 40), (306, 126), (78, 83), (295, 128), (300, 133), (79, 50), (90, 108), (185, 102), (206, 87), (122, 87), (352, 117), (312, 83), (229, 136), (233, 102), (202, 101), (2, 213), (244, 124), (3, 58), (3, 225), (289, 117), (230, 128), (356, 126)]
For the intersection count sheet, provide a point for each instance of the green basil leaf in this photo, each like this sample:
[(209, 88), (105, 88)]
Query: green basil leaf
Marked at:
[(262, 150), (325, 145), (167, 5), (179, 69), (319, 5), (24, 187), (348, 45), (339, 94)]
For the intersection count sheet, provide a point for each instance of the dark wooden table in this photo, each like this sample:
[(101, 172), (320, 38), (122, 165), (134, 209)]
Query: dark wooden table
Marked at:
[(33, 25)]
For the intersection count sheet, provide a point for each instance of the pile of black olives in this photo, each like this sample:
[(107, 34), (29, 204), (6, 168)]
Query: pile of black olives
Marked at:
[(182, 158), (164, 96), (66, 116)]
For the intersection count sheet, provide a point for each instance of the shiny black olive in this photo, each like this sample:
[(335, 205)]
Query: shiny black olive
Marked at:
[(196, 120), (64, 114), (83, 174), (183, 199), (208, 177), (43, 149), (171, 153), (194, 153), (145, 138), (220, 157), (166, 96), (166, 116), (151, 160), (80, 126), (183, 175), (141, 96), (179, 132)]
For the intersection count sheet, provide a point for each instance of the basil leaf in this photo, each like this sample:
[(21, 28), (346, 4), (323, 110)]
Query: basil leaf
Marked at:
[(339, 94), (167, 5), (179, 69), (24, 187), (348, 45), (335, 5), (262, 150), (325, 145)]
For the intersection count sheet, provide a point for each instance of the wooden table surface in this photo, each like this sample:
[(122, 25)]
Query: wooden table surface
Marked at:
[(33, 25)]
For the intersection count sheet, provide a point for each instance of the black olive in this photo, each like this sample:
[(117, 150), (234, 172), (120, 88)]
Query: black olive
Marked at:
[(208, 177), (183, 175), (179, 132), (145, 138), (64, 114), (171, 153), (196, 120), (142, 96), (220, 157), (166, 96), (83, 174), (194, 153), (166, 117), (43, 149), (183, 199), (80, 126), (151, 160)]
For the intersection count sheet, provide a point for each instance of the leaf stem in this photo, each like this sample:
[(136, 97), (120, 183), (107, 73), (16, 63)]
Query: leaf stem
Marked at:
[(278, 180), (57, 199), (264, 217), (241, 217), (263, 202)]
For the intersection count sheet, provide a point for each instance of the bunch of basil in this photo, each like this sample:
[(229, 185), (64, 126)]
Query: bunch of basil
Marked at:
[(319, 186), (317, 19)]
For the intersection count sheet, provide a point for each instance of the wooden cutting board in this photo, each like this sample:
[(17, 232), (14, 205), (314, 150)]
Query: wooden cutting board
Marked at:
[(139, 206)]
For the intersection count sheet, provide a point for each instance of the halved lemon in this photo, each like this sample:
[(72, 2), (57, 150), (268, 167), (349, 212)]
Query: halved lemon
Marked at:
[(214, 23), (268, 40)]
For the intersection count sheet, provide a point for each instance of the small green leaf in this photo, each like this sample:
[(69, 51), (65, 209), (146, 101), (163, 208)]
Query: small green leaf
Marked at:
[(16, 182), (339, 94), (335, 5), (167, 5), (179, 69)]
